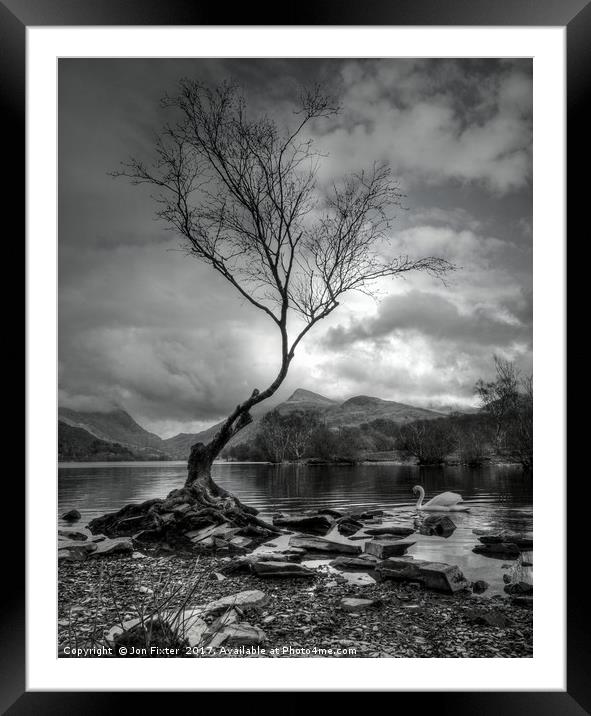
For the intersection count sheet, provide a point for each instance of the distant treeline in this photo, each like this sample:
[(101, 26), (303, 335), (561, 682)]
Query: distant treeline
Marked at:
[(500, 430)]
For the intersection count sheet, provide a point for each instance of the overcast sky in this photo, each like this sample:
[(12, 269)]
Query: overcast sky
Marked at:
[(146, 328)]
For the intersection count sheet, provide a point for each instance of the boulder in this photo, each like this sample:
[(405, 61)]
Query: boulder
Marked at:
[(480, 586), (72, 535), (498, 550), (364, 563), (281, 569), (384, 548), (71, 516), (311, 524), (250, 599), (439, 525), (519, 588), (353, 604), (394, 530), (437, 576), (320, 544)]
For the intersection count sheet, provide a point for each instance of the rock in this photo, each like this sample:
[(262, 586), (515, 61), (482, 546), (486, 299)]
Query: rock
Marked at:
[(237, 635), (281, 569), (277, 557), (352, 604), (494, 618), (498, 550), (438, 576), (72, 535), (71, 516), (527, 559), (240, 542), (522, 600), (185, 627), (250, 599), (331, 512), (319, 544), (364, 563), (217, 576), (385, 548), (74, 551), (519, 588), (117, 545), (311, 524), (348, 527), (440, 525), (521, 539), (480, 586), (391, 530), (224, 530)]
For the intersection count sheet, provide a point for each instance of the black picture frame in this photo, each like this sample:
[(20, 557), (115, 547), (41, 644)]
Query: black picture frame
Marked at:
[(575, 15)]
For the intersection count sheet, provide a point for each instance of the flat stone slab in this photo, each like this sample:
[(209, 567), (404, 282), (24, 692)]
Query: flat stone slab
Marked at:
[(384, 548), (351, 604), (72, 535), (319, 544), (225, 531), (437, 576), (237, 635), (363, 563), (281, 569), (400, 531), (499, 550), (311, 524), (250, 599), (521, 539), (118, 545)]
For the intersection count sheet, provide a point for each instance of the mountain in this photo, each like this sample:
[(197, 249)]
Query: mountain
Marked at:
[(353, 412), (83, 433), (115, 426), (364, 409), (302, 400), (77, 444)]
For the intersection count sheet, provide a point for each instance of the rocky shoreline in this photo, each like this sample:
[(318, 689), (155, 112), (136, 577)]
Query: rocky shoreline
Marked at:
[(299, 595)]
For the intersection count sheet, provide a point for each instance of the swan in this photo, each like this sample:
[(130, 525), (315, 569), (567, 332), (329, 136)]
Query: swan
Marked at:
[(446, 502)]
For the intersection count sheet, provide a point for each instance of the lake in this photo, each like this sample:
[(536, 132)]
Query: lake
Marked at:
[(498, 497)]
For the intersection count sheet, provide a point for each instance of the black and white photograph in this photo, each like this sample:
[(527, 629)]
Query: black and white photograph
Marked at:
[(295, 358)]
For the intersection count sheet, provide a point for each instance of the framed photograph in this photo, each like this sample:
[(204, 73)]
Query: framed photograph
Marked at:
[(291, 289)]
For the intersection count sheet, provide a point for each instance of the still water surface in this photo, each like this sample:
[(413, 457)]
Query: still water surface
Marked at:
[(498, 497)]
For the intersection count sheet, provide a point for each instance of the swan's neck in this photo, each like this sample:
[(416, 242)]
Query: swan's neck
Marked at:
[(421, 496)]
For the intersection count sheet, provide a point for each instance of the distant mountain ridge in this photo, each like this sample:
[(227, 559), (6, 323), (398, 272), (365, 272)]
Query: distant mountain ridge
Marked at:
[(115, 426), (119, 427)]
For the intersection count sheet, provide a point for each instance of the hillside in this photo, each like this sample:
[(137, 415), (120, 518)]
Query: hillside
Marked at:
[(351, 413), (363, 409), (78, 445), (115, 426)]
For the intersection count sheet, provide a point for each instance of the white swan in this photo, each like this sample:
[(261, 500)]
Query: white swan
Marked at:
[(446, 502)]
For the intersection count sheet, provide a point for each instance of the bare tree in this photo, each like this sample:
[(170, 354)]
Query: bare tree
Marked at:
[(508, 400), (244, 196)]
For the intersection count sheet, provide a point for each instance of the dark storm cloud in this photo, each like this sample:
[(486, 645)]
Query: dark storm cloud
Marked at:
[(144, 327)]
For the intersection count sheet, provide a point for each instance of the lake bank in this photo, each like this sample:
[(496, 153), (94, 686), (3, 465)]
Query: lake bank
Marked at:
[(404, 620)]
